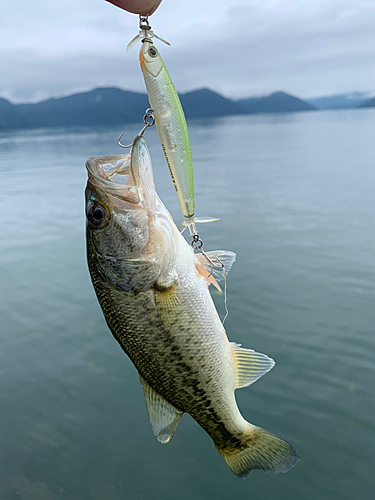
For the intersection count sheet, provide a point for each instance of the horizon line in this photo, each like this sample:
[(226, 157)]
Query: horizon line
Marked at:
[(369, 92)]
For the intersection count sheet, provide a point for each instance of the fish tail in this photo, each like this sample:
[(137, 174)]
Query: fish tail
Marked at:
[(259, 450)]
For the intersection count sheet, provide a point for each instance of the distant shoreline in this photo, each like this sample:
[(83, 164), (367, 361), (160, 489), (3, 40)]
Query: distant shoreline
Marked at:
[(114, 106)]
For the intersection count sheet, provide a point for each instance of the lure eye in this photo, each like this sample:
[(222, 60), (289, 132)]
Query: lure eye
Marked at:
[(97, 215), (152, 52)]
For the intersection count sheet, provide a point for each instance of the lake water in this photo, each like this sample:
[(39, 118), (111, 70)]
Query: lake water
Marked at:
[(296, 197)]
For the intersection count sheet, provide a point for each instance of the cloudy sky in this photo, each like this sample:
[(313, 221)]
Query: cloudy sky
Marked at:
[(306, 47)]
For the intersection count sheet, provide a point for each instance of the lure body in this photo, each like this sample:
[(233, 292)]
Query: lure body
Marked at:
[(170, 123)]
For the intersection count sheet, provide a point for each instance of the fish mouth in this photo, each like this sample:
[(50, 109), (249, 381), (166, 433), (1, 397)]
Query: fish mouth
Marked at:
[(111, 174), (127, 177)]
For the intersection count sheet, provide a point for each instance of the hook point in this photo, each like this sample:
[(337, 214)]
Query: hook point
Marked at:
[(119, 141)]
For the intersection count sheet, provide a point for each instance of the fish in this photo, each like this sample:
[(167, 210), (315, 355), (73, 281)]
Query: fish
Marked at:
[(154, 292)]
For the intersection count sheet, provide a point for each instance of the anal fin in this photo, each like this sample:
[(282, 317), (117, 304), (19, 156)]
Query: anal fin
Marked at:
[(164, 417), (250, 365)]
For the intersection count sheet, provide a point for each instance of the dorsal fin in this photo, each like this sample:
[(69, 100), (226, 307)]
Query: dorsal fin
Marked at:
[(250, 365), (164, 417), (226, 257)]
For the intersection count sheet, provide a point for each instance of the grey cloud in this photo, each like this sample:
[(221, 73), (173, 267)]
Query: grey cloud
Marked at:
[(252, 48)]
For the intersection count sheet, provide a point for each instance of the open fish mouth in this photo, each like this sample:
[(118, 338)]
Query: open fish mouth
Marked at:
[(112, 174), (128, 177), (114, 169)]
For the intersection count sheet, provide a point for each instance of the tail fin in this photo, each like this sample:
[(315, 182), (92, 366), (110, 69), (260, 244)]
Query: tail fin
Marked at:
[(263, 451)]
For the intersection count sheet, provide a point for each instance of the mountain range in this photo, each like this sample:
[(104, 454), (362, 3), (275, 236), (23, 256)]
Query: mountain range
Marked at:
[(369, 103), (278, 102), (113, 106), (340, 101)]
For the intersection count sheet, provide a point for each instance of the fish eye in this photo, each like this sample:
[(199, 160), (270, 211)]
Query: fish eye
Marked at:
[(97, 215), (153, 52)]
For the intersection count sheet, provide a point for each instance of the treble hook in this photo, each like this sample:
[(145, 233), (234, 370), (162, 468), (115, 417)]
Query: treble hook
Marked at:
[(145, 33), (148, 114), (199, 247)]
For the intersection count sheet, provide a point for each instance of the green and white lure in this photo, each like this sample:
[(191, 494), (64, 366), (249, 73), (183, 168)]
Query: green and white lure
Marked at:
[(171, 124)]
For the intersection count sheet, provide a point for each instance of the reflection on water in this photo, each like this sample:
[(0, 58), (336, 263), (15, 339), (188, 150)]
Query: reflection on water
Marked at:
[(296, 198)]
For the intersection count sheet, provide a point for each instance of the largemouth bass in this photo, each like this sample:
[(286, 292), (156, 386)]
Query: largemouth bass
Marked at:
[(153, 290)]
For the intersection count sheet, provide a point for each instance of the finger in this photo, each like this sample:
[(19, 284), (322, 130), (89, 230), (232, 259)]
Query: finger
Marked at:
[(142, 7)]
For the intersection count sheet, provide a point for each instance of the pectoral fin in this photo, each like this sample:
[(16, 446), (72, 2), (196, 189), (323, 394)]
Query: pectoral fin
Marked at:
[(250, 365), (164, 417)]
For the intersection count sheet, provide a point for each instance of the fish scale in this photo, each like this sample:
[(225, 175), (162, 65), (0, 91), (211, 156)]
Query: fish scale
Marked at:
[(141, 333)]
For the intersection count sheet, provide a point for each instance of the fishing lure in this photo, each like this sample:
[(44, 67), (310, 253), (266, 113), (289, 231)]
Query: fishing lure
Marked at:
[(171, 125)]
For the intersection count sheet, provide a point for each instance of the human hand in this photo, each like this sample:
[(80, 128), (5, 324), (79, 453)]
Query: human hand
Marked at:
[(141, 7)]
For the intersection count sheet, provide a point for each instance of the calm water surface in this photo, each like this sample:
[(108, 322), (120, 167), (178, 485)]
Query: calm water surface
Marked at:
[(296, 197)]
